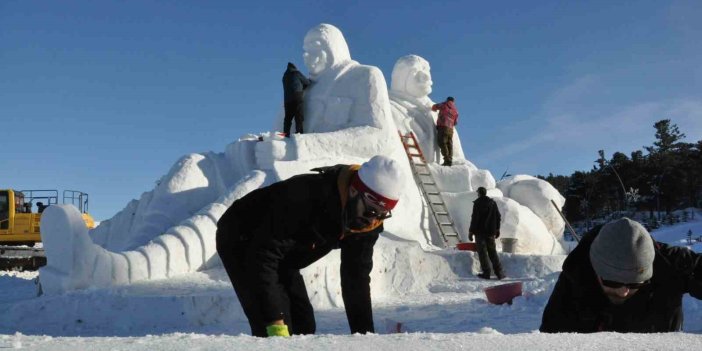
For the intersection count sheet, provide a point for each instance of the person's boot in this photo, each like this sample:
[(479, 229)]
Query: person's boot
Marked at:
[(501, 276), (484, 275)]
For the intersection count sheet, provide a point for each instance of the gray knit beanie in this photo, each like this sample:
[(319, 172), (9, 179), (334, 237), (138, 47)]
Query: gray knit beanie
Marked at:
[(623, 252)]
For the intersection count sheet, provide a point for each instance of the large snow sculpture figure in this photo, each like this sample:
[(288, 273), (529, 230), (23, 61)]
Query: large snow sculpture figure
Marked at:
[(348, 101), (411, 106)]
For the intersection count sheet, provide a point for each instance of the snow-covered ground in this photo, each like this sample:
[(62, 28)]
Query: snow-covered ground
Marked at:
[(199, 311)]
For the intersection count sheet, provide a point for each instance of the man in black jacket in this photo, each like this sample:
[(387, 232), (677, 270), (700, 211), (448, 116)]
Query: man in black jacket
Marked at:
[(619, 279), (267, 236), (485, 228), (294, 84)]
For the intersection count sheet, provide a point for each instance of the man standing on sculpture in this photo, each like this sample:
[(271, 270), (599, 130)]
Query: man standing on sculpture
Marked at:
[(448, 118), (485, 228), (294, 84), (266, 237)]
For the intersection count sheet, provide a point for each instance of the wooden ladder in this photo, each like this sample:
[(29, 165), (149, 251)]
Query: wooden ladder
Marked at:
[(429, 189)]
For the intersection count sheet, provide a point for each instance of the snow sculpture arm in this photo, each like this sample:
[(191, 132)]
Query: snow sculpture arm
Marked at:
[(75, 262)]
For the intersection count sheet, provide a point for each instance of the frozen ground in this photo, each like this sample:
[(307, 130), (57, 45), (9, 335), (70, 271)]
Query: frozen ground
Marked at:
[(199, 311)]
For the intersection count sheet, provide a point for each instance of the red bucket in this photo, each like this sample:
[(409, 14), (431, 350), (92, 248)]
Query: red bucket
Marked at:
[(503, 293), (467, 246)]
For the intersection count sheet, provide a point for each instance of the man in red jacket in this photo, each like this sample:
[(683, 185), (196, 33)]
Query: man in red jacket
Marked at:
[(448, 118)]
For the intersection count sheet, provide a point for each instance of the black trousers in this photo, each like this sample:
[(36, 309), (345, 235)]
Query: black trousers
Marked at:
[(293, 110), (487, 254), (298, 315)]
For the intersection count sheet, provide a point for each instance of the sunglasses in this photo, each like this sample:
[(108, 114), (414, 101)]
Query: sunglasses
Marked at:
[(630, 286), (371, 212)]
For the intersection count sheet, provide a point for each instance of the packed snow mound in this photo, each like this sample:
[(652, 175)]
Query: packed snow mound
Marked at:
[(520, 223), (462, 176), (193, 182), (536, 194), (171, 229)]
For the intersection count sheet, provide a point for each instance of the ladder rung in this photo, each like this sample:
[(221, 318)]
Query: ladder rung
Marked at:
[(441, 213)]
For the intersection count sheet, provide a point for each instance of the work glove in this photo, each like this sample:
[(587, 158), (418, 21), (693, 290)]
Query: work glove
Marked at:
[(471, 237), (277, 330), (497, 234)]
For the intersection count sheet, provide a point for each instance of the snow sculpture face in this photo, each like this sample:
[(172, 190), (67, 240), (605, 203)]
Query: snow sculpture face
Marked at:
[(411, 75), (325, 47), (315, 57)]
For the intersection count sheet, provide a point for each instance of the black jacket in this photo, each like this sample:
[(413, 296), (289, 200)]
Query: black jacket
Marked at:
[(290, 225), (294, 83), (578, 304), (486, 218)]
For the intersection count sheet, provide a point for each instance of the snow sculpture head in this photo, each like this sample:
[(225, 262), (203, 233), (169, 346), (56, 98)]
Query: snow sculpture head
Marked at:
[(411, 76), (324, 47)]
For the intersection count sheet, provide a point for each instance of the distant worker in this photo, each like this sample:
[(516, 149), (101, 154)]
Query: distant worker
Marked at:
[(267, 236), (41, 207), (448, 118), (618, 279), (485, 228), (294, 84)]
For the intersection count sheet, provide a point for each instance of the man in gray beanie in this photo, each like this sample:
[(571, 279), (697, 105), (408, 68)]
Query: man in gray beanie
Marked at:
[(619, 279)]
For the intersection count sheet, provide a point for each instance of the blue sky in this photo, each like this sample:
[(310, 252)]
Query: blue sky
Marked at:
[(105, 96)]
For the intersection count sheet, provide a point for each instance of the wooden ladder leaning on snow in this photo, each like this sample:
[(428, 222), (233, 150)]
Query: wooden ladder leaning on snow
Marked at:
[(429, 189)]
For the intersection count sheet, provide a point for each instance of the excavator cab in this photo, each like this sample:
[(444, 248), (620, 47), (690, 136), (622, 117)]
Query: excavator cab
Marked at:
[(19, 222)]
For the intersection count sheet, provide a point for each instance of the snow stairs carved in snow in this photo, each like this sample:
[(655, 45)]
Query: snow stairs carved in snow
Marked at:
[(427, 185)]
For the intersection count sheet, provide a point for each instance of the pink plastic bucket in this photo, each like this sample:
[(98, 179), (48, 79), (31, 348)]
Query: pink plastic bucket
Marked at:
[(503, 293)]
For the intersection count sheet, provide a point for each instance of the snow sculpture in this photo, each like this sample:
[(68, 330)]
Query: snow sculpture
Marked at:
[(347, 101), (411, 107), (536, 194), (171, 229)]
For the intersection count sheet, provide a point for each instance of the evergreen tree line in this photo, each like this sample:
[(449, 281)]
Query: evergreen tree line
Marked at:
[(663, 177)]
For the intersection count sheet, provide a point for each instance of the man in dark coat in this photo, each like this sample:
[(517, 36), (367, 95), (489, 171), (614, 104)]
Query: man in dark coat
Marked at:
[(619, 279), (294, 84), (267, 236), (485, 228), (448, 118)]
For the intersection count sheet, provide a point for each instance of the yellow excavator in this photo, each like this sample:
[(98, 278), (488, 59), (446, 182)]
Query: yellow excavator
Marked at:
[(19, 224)]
